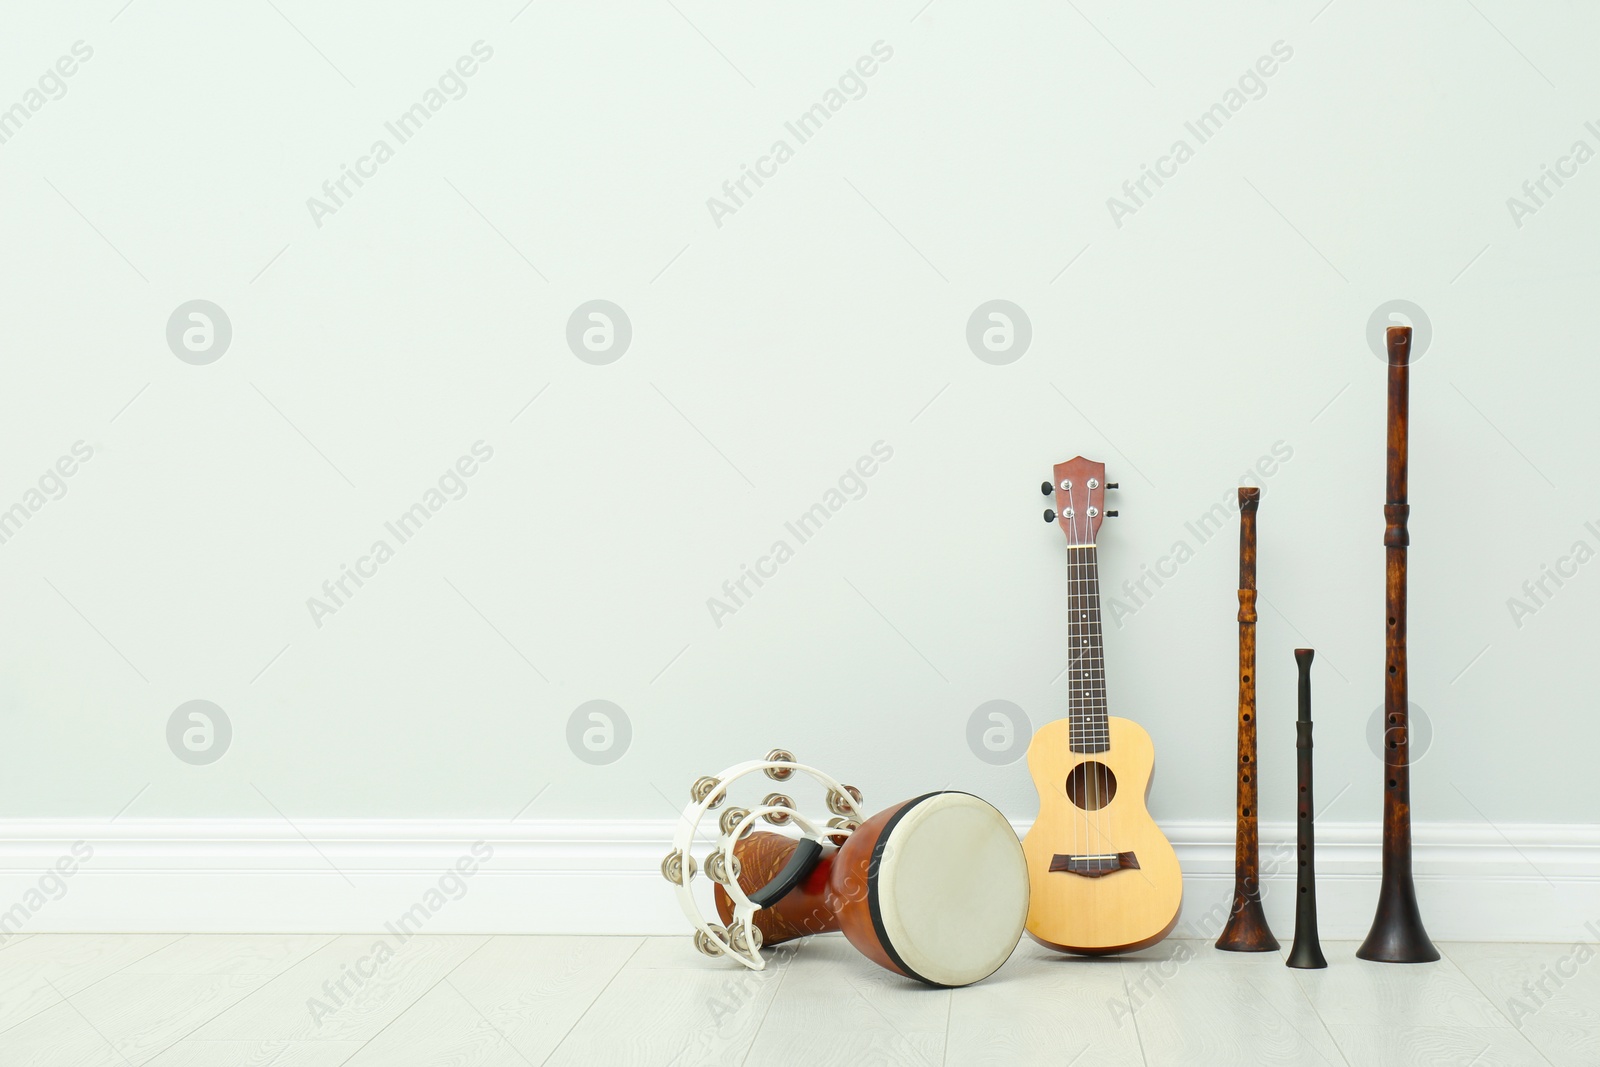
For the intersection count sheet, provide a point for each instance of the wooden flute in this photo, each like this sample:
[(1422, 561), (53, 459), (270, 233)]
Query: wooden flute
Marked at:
[(1397, 935), (1247, 930)]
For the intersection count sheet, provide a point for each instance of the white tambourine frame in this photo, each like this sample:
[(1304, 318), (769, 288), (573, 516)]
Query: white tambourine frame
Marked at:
[(743, 908)]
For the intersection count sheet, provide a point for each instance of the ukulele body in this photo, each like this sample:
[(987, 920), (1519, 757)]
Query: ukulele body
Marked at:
[(1116, 885)]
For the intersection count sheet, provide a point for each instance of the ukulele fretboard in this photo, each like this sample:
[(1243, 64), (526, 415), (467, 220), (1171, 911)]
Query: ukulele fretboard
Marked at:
[(1086, 669)]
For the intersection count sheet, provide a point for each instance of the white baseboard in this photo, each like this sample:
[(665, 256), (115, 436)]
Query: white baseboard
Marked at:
[(1527, 882)]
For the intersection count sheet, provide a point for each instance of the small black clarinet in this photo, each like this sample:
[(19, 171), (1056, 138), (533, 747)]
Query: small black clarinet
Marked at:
[(1307, 952)]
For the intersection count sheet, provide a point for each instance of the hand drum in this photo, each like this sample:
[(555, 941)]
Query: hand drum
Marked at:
[(934, 888)]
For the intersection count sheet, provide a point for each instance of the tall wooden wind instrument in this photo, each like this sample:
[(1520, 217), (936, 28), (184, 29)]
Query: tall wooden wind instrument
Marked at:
[(1397, 935), (1247, 929), (1307, 950)]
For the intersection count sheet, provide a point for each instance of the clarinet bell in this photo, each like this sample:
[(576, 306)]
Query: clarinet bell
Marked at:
[(1307, 953)]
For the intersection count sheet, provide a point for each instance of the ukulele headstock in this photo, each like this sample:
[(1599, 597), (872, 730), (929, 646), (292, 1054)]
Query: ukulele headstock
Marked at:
[(1079, 488)]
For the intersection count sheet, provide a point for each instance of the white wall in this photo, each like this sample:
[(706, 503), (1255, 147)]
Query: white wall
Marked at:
[(772, 347)]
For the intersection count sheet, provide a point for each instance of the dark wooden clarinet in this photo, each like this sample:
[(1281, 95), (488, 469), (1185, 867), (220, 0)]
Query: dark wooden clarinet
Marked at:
[(1397, 935), (1307, 950), (1247, 929)]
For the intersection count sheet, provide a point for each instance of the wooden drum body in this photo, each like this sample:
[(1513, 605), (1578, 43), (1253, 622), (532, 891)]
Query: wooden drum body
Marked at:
[(802, 910)]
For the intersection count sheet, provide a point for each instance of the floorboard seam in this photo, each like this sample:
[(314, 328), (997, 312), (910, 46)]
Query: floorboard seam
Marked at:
[(253, 992), (1445, 950), (949, 1010), (91, 985), (164, 1049), (401, 1014), (1334, 1041), (593, 1001), (1127, 995), (776, 990)]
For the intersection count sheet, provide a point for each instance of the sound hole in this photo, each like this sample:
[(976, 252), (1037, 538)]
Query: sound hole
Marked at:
[(1091, 785)]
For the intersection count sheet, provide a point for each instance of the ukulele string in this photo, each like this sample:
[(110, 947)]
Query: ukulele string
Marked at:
[(1086, 577), (1090, 718), (1104, 722), (1092, 567), (1086, 780), (1074, 665)]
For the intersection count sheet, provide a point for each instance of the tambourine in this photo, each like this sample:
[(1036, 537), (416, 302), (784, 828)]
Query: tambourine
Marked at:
[(934, 888)]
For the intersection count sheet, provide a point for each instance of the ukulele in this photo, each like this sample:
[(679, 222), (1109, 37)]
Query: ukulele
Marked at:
[(1102, 876)]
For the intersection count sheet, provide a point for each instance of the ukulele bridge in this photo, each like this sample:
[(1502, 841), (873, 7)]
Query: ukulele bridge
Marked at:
[(1094, 865)]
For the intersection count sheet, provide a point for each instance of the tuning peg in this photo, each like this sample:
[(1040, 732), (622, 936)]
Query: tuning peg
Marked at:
[(1049, 516), (1111, 514), (1111, 485), (1046, 488)]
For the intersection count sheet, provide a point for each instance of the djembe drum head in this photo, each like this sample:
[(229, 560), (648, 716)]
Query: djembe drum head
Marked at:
[(935, 888)]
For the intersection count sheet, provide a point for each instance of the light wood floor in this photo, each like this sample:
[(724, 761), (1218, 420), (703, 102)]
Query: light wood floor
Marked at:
[(221, 1000)]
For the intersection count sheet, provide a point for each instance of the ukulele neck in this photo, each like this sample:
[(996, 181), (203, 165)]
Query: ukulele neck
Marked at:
[(1086, 670)]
